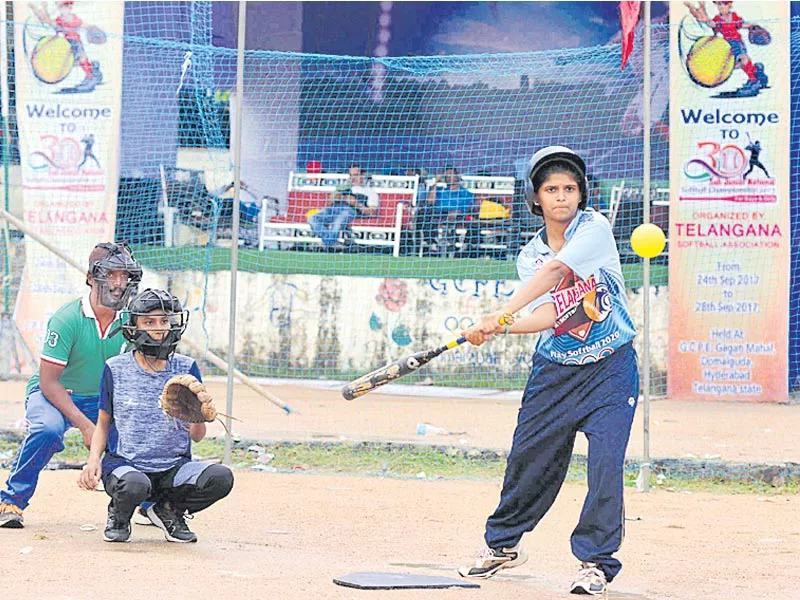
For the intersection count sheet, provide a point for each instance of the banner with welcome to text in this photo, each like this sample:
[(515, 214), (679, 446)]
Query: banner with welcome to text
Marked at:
[(729, 213), (68, 91)]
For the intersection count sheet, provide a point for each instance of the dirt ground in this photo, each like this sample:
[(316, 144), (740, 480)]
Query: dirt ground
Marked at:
[(289, 535), (740, 432)]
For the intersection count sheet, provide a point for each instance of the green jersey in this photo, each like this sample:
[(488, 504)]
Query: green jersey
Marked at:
[(75, 341)]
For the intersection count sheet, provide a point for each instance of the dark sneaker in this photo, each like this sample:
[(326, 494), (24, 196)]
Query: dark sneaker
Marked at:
[(590, 581), (118, 529), (171, 523), (97, 75), (10, 516), (84, 87), (749, 89), (490, 561), (761, 76)]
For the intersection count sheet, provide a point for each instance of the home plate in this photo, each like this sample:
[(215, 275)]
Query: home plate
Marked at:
[(399, 581)]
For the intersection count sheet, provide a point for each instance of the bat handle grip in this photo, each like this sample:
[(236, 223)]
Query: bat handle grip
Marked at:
[(456, 342)]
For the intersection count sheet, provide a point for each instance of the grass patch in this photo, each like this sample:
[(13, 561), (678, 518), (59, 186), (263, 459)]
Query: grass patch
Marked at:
[(719, 486), (192, 258), (478, 377), (415, 461)]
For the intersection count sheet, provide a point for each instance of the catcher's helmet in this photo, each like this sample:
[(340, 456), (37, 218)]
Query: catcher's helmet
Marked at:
[(104, 260), (551, 156), (145, 303)]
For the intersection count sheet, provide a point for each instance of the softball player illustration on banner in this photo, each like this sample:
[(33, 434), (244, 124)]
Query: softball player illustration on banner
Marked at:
[(53, 57), (726, 24), (584, 376), (140, 454)]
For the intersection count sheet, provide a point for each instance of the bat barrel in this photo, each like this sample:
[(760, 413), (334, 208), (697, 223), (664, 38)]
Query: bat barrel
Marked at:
[(404, 366), (348, 392)]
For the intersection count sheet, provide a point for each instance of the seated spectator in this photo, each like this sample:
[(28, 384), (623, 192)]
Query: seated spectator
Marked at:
[(353, 200), (451, 206)]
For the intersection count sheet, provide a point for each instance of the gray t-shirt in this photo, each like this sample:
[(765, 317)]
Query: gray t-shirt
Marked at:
[(141, 435)]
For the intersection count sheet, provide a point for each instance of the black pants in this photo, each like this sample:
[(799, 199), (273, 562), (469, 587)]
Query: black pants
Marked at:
[(203, 486), (753, 165)]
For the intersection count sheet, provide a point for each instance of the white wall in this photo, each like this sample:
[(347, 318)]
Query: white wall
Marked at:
[(343, 323)]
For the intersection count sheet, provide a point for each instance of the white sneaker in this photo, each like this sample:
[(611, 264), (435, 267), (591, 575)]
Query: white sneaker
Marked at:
[(590, 580), (490, 561)]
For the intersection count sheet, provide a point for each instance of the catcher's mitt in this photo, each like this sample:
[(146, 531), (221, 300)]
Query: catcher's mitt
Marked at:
[(185, 398), (759, 36)]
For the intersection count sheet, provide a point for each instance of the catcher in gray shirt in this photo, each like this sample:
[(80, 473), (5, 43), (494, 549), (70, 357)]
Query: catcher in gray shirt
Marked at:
[(146, 456)]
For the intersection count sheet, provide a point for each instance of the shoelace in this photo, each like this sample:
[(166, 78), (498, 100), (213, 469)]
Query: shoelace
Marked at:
[(590, 571), (485, 553), (179, 521)]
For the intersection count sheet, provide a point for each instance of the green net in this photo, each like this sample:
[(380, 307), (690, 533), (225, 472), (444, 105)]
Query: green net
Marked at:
[(396, 277)]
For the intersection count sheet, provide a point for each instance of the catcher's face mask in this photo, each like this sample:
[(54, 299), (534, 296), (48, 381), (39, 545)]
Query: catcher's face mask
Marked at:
[(155, 323), (115, 276)]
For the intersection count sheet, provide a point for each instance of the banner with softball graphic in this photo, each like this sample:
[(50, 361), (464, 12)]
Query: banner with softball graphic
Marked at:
[(729, 214), (68, 64)]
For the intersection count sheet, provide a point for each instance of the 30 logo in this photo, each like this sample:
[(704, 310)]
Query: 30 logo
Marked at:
[(715, 160), (60, 153), (64, 153)]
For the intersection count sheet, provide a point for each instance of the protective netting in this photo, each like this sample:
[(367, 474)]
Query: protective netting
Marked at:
[(403, 278), (794, 208), (399, 277)]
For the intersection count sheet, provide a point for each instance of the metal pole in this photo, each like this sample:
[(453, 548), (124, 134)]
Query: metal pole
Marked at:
[(645, 474), (237, 187), (4, 110)]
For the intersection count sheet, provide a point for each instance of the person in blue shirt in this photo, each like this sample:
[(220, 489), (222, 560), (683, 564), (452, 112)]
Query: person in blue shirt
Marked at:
[(140, 454), (450, 206), (584, 376), (354, 199)]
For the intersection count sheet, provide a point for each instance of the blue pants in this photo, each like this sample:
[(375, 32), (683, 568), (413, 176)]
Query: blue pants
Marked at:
[(737, 48), (598, 399), (45, 437), (327, 223)]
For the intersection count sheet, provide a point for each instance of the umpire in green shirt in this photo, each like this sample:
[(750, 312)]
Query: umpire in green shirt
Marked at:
[(64, 392)]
